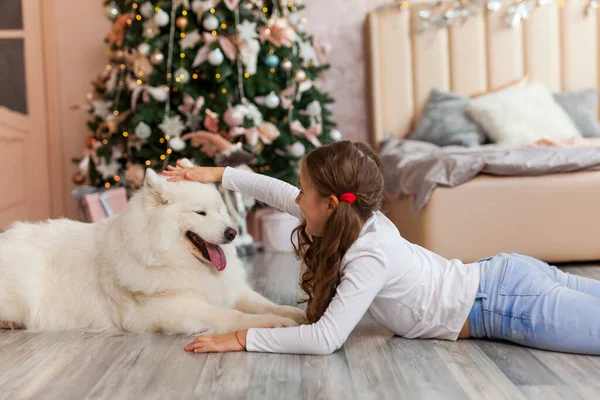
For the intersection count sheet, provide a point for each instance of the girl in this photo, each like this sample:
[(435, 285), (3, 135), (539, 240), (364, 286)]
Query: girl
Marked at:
[(356, 262)]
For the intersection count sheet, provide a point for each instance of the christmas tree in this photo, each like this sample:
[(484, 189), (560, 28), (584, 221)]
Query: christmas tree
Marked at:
[(244, 70)]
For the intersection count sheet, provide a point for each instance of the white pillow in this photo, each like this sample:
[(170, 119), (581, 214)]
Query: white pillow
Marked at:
[(521, 115)]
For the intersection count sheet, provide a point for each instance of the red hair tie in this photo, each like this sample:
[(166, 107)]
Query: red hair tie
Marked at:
[(349, 197)]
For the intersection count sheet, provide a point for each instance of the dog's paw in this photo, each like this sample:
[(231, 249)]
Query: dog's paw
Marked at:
[(294, 313), (275, 321)]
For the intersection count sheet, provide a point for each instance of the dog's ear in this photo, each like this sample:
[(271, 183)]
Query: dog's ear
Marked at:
[(156, 185)]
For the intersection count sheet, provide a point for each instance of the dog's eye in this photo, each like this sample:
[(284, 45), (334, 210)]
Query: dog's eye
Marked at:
[(201, 213)]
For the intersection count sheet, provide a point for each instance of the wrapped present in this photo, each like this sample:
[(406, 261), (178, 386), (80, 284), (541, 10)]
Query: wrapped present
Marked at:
[(255, 224), (96, 204)]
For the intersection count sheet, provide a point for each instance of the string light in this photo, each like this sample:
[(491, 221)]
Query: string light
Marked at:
[(163, 157), (169, 151), (212, 10), (116, 112), (117, 178), (107, 185), (135, 6), (168, 137), (195, 76), (272, 70), (108, 67), (218, 76), (148, 162), (265, 10), (105, 141), (182, 55), (184, 13), (214, 33), (122, 66), (224, 90), (125, 134), (138, 17), (182, 35), (246, 75)]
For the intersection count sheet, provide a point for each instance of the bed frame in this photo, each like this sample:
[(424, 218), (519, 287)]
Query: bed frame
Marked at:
[(553, 217)]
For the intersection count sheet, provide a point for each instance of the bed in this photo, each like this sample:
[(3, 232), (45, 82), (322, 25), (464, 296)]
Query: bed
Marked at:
[(554, 217)]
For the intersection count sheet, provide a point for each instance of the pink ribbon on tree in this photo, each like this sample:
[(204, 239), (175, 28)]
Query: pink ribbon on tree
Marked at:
[(310, 134), (136, 91), (225, 44)]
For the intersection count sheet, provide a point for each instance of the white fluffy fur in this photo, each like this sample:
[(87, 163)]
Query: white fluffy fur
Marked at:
[(134, 272)]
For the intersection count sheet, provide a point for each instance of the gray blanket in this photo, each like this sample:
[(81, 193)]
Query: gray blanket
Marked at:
[(416, 168)]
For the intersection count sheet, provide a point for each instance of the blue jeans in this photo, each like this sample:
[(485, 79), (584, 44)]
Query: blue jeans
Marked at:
[(526, 301)]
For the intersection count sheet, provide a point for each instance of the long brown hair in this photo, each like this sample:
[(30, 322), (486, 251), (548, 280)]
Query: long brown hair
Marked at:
[(335, 169)]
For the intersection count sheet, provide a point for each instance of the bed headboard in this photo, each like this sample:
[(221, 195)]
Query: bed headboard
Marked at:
[(558, 45)]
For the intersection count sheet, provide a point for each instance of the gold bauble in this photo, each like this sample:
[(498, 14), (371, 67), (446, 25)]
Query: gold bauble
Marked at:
[(299, 75), (157, 58), (182, 22), (142, 68)]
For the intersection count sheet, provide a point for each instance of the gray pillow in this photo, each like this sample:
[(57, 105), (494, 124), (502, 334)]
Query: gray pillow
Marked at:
[(445, 123), (582, 108)]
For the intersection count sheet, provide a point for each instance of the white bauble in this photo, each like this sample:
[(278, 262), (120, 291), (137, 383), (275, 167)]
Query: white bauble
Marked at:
[(314, 109), (216, 57), (176, 143), (272, 100), (297, 149), (143, 131), (183, 75), (147, 10), (159, 93), (197, 6), (161, 18), (336, 135), (210, 23), (144, 49)]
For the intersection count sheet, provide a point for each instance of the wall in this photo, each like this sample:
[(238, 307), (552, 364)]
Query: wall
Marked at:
[(341, 25), (75, 32)]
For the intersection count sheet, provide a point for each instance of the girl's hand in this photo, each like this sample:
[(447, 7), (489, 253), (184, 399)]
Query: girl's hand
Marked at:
[(218, 343), (198, 174)]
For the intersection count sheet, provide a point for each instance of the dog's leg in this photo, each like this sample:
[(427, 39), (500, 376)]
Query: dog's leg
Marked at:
[(182, 315), (251, 302)]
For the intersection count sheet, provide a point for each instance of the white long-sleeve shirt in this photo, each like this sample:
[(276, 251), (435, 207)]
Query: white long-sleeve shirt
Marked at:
[(411, 291)]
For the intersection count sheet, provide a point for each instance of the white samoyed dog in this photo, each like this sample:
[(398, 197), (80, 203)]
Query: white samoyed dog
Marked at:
[(165, 264)]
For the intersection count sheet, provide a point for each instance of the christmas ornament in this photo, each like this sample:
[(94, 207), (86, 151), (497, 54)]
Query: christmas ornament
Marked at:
[(143, 131), (172, 126), (190, 40), (300, 76), (253, 113), (215, 57), (144, 49), (161, 18), (247, 30), (142, 68), (102, 108), (134, 176), (198, 6), (112, 11), (147, 10), (335, 135), (151, 29), (313, 109), (272, 101), (227, 47), (108, 170), (78, 178), (118, 56), (297, 149), (182, 76), (157, 58), (234, 116), (249, 55), (176, 143), (278, 31), (182, 22), (272, 61), (286, 65), (268, 132), (159, 93), (307, 52), (210, 23)]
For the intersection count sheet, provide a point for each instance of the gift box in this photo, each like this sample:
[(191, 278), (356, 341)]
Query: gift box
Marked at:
[(99, 205), (253, 221)]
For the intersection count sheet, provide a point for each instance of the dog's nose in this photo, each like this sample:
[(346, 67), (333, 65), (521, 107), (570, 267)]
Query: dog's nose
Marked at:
[(230, 234)]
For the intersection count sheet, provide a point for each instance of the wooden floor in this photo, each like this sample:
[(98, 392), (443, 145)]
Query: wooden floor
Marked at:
[(372, 364)]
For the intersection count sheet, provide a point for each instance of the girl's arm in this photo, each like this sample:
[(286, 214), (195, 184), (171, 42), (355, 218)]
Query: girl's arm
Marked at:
[(363, 278), (276, 193)]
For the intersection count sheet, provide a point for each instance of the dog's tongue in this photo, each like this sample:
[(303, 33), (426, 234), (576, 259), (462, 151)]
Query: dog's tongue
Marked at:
[(217, 257)]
